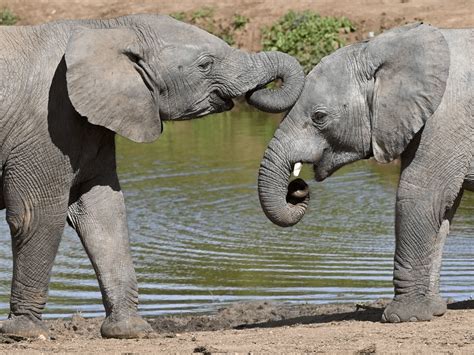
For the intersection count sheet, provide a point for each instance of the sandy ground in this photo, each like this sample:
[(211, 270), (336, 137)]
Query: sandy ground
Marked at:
[(262, 327), (269, 328)]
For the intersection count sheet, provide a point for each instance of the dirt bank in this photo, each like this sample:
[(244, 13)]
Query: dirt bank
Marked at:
[(269, 328), (368, 15)]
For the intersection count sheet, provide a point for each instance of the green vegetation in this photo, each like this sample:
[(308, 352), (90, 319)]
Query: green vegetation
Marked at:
[(204, 18), (7, 17), (239, 21), (306, 36)]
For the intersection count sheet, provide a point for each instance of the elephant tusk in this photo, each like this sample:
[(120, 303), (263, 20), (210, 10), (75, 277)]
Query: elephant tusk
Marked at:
[(297, 169)]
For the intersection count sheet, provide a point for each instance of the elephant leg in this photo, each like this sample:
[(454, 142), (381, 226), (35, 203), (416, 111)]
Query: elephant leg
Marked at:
[(36, 229), (99, 218), (420, 240), (2, 201), (438, 256)]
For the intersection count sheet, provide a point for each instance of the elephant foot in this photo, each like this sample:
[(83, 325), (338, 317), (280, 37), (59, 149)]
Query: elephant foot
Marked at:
[(24, 326), (125, 328), (414, 309)]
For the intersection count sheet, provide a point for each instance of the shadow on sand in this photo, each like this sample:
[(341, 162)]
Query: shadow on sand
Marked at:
[(269, 315), (363, 313)]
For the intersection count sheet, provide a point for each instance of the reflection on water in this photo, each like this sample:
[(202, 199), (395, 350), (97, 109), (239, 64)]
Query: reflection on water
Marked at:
[(200, 240)]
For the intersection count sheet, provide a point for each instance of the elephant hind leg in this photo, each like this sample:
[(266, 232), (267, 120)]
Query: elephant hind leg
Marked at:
[(36, 225)]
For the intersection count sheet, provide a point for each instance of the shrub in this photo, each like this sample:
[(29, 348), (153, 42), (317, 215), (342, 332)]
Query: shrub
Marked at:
[(239, 21), (306, 36), (7, 17)]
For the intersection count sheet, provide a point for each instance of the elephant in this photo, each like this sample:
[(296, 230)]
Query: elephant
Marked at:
[(405, 94), (66, 89)]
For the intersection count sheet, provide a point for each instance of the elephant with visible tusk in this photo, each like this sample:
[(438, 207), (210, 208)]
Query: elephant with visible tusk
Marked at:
[(66, 88), (407, 92)]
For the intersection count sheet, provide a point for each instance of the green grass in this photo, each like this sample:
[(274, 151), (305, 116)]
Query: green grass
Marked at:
[(306, 36), (7, 17)]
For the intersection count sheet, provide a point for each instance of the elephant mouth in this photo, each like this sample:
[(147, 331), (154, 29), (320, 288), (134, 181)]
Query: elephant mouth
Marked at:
[(215, 105), (319, 174), (220, 104), (322, 171)]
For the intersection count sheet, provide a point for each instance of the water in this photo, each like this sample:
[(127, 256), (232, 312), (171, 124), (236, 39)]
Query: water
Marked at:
[(200, 239)]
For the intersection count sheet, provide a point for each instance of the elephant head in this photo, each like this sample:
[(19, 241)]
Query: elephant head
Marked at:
[(365, 100), (130, 73)]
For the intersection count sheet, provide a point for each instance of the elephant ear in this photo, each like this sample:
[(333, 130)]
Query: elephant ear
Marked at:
[(410, 66), (108, 86)]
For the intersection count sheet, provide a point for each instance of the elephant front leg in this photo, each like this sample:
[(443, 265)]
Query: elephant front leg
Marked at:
[(99, 218), (420, 240)]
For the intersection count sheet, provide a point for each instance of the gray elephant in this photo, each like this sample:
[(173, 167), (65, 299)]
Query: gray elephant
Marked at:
[(407, 92), (66, 88)]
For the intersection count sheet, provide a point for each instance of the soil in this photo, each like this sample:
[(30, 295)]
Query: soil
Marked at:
[(367, 15), (262, 327), (265, 327)]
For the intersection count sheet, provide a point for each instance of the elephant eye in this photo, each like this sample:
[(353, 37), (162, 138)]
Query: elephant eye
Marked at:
[(320, 119), (206, 65)]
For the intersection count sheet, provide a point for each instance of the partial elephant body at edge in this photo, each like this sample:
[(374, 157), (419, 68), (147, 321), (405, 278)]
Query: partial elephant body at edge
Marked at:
[(66, 88), (407, 92)]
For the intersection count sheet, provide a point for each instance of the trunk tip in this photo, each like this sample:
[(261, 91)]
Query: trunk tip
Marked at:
[(298, 192)]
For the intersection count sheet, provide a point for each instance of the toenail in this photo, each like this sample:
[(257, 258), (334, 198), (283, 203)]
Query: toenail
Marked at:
[(394, 318)]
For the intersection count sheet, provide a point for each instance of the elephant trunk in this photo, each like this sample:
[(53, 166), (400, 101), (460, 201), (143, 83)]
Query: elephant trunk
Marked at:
[(266, 67), (284, 203)]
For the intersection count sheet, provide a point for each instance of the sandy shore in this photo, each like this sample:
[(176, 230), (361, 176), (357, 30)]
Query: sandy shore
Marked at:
[(268, 328)]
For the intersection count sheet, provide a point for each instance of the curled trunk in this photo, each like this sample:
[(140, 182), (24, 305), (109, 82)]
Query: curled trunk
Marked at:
[(284, 203), (266, 67)]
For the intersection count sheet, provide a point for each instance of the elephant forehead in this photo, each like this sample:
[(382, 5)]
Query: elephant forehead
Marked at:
[(327, 86), (168, 31), (190, 37), (174, 32)]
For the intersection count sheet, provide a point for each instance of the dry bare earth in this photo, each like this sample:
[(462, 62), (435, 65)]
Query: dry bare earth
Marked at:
[(368, 15), (270, 328), (265, 327)]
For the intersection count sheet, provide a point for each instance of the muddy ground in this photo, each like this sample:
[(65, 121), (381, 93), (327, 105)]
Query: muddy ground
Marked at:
[(269, 328), (265, 327)]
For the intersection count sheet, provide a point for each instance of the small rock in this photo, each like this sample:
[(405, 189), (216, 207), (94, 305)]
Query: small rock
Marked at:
[(368, 350), (206, 350)]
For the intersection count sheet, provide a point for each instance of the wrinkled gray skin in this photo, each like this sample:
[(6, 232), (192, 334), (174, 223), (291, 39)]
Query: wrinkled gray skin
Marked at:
[(407, 92), (66, 88)]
